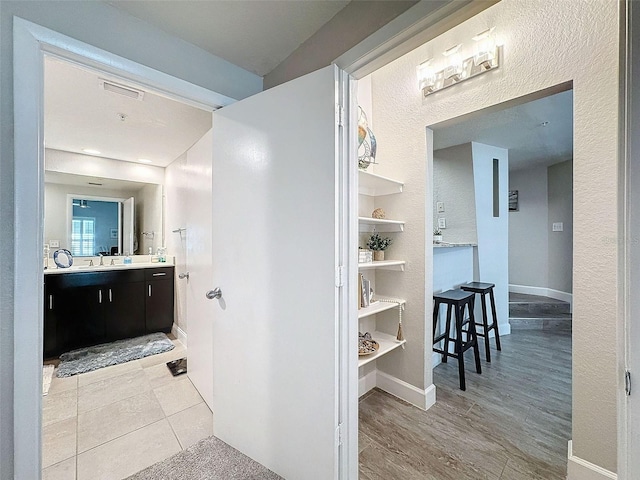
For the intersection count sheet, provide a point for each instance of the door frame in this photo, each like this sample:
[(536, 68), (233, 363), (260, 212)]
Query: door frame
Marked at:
[(32, 43)]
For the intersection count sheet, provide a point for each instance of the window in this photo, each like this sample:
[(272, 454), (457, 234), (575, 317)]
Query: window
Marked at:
[(83, 236)]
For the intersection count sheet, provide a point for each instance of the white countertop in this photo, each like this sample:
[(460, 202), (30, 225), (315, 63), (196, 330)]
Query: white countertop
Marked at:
[(451, 245), (97, 268)]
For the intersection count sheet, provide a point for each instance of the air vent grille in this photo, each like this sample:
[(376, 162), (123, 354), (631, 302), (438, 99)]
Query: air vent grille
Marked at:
[(124, 90)]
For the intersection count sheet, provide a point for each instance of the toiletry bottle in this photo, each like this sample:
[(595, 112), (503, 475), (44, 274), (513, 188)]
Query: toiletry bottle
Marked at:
[(127, 259)]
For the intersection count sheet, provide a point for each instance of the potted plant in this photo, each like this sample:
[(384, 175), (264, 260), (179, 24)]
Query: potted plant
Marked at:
[(378, 245), (437, 235)]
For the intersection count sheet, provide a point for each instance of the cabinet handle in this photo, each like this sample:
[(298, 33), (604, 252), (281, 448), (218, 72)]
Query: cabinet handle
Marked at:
[(110, 296), (99, 296), (50, 302), (149, 289), (159, 274)]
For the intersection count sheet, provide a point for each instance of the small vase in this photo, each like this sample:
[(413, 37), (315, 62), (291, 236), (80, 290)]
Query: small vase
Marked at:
[(378, 255), (437, 239)]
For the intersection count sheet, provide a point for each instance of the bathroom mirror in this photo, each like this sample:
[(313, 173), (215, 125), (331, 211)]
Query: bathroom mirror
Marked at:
[(90, 216), (100, 225)]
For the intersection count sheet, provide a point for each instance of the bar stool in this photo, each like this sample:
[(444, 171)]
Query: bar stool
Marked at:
[(483, 289), (458, 300)]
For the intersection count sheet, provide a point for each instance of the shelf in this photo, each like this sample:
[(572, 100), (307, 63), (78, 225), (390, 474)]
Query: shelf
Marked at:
[(377, 307), (375, 185), (383, 265), (387, 343), (367, 224)]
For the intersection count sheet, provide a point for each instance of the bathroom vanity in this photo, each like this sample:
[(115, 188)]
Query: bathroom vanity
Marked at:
[(95, 305)]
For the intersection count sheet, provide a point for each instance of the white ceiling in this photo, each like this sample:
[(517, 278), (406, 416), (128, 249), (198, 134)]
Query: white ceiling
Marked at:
[(79, 114), (521, 130), (255, 35), (85, 181)]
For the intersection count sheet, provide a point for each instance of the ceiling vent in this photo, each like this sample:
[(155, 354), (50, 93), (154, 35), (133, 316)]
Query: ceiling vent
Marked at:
[(113, 87)]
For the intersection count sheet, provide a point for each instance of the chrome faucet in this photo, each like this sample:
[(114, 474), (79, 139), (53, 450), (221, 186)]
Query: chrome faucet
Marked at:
[(101, 260), (112, 261), (91, 262)]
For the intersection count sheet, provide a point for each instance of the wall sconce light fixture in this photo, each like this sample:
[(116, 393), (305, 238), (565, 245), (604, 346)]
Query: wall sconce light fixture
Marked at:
[(457, 68)]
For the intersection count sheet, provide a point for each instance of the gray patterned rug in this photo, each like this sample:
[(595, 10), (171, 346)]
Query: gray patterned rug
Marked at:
[(209, 459), (92, 358)]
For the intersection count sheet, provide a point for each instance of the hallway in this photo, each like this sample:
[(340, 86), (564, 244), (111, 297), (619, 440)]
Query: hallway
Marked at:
[(513, 421)]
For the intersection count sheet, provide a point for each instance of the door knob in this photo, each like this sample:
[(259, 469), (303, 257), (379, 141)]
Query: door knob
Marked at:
[(217, 293), (184, 275)]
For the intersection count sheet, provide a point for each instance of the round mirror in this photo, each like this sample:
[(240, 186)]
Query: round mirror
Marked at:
[(63, 258)]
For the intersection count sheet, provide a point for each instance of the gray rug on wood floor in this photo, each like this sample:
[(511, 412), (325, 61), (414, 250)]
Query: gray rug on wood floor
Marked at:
[(209, 459), (92, 358)]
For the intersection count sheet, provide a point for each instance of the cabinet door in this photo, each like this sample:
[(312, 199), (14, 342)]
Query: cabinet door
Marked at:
[(124, 312), (159, 305), (86, 316), (52, 316)]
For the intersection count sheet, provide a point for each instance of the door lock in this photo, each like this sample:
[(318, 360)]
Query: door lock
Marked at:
[(184, 275), (217, 293)]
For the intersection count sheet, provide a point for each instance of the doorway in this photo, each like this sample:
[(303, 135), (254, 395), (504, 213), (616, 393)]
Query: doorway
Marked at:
[(526, 251), (117, 420)]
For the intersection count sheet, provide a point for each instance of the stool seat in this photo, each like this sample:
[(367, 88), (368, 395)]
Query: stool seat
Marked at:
[(453, 296), (477, 287), (483, 289), (456, 301)]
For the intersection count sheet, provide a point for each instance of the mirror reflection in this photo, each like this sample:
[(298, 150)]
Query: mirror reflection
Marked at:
[(91, 216)]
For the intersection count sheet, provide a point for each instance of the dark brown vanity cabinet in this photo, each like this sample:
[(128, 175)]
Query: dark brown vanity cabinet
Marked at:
[(159, 299), (88, 308)]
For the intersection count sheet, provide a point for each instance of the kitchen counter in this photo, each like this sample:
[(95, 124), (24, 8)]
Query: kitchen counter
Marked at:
[(451, 245)]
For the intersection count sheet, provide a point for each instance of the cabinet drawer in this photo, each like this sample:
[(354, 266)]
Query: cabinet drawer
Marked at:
[(89, 279), (160, 273)]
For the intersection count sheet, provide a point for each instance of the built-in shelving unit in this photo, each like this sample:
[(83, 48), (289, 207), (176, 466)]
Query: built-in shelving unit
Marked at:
[(383, 265), (375, 185), (378, 307), (372, 185), (380, 225), (387, 343)]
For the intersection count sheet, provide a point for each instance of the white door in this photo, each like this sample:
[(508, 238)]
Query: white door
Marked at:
[(275, 237), (128, 216), (198, 264)]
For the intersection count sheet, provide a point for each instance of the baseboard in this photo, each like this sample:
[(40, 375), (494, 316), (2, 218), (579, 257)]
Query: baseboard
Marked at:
[(579, 469), (179, 334), (423, 399), (366, 383), (544, 292)]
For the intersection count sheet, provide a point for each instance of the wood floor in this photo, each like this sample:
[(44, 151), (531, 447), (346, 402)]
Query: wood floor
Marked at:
[(512, 423)]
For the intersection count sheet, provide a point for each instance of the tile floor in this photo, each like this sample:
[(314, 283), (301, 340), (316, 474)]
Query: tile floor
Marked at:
[(112, 423)]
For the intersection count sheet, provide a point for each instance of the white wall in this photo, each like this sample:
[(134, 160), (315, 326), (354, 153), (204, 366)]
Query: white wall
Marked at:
[(108, 28), (149, 218), (528, 229), (90, 165), (539, 257), (560, 188), (176, 205), (493, 231), (453, 184), (588, 58), (411, 206)]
